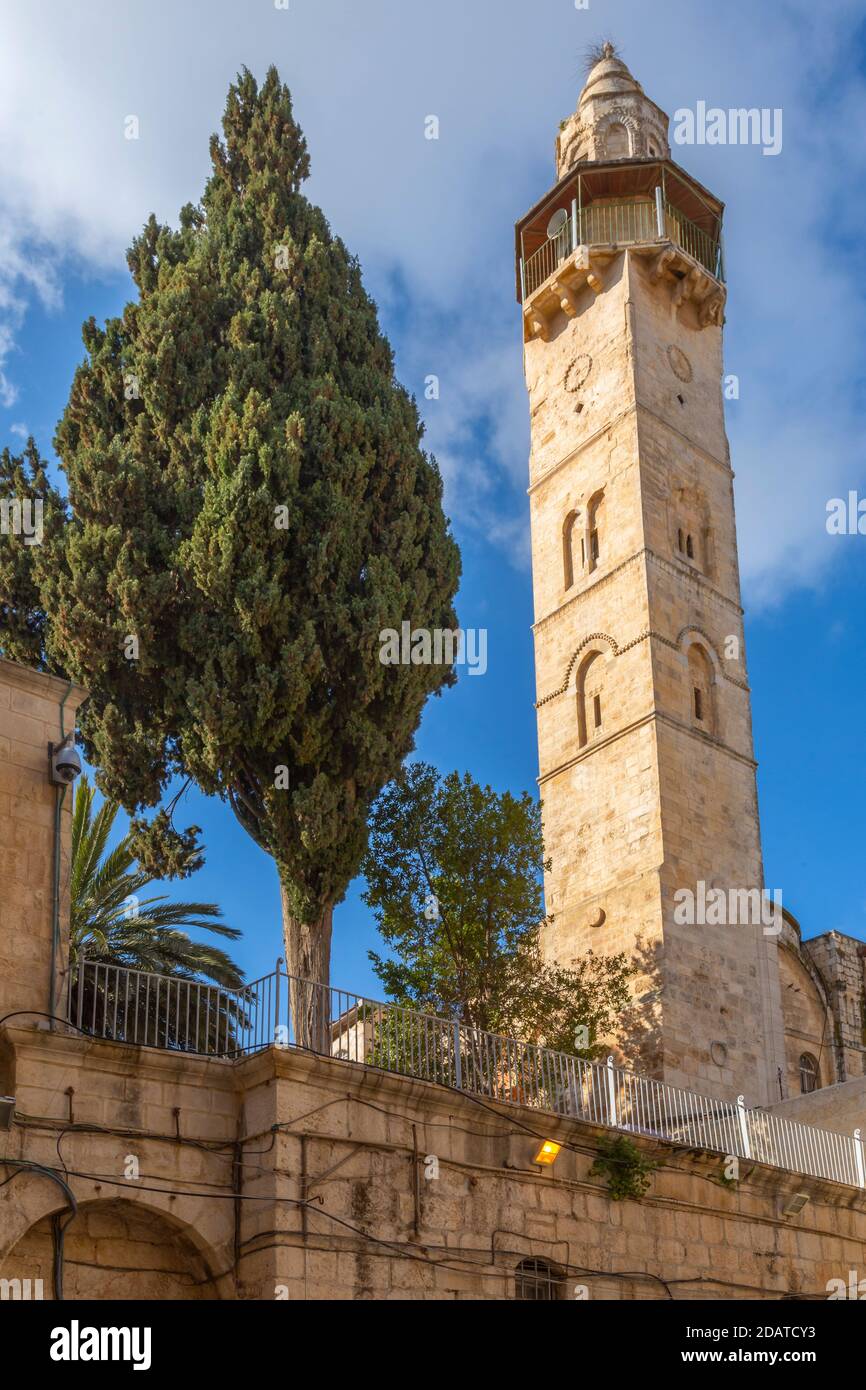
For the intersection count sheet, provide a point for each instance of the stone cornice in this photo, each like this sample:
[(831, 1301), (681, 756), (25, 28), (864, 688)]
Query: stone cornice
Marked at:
[(722, 464), (619, 650), (633, 408), (679, 571), (685, 571), (579, 448), (40, 682), (639, 724)]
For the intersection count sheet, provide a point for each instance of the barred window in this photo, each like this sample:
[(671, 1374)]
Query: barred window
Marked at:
[(536, 1280)]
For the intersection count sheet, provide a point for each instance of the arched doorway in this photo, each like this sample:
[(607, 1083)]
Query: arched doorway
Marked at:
[(113, 1249)]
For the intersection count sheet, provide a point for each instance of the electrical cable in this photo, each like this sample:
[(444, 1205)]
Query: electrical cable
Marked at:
[(511, 1126), (58, 1226)]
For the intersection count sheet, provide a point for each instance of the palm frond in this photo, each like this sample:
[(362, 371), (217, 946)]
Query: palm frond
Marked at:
[(112, 922)]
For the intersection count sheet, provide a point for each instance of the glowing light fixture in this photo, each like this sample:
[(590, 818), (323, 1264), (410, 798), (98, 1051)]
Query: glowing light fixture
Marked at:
[(548, 1152)]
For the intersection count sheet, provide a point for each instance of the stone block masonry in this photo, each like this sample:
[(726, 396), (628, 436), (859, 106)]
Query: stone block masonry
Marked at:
[(290, 1176)]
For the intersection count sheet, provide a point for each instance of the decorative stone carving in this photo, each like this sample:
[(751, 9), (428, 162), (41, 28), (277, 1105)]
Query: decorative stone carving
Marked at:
[(611, 96), (711, 310), (617, 116), (567, 301), (679, 363), (662, 262), (685, 288), (577, 372)]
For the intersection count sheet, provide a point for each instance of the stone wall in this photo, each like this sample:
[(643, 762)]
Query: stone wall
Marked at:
[(293, 1176), (841, 961), (641, 798), (841, 1108), (30, 719), (808, 1018)]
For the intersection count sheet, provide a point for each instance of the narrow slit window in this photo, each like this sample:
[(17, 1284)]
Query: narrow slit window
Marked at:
[(690, 548), (596, 710), (593, 540), (699, 703), (680, 540)]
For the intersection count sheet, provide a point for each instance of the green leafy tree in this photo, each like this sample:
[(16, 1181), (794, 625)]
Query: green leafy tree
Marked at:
[(32, 515), (251, 507), (114, 923), (454, 876)]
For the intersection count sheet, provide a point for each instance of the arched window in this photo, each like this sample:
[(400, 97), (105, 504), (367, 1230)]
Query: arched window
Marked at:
[(690, 547), (538, 1281), (568, 550), (595, 530), (591, 698), (809, 1076), (617, 141), (701, 688)]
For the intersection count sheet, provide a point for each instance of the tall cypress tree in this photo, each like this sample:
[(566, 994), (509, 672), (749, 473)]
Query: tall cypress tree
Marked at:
[(251, 506), (32, 515)]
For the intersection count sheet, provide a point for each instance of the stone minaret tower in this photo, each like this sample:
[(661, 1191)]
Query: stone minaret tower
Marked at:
[(646, 762)]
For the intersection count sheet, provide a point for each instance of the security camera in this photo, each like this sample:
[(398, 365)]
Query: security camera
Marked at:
[(65, 762)]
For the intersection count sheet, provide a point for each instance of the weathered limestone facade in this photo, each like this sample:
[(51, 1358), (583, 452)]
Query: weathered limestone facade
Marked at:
[(647, 770), (286, 1175), (35, 710), (824, 1006), (280, 1176)]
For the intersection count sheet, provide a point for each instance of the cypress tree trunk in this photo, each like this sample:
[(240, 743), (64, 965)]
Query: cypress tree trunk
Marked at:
[(308, 956)]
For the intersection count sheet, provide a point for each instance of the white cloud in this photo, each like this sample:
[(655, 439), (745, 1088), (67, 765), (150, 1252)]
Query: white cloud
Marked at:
[(24, 272), (432, 220)]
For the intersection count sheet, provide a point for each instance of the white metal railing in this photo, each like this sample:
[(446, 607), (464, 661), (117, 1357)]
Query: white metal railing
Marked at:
[(144, 1009), (149, 1010)]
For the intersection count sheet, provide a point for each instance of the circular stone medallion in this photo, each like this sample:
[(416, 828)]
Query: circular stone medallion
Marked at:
[(679, 363), (577, 372)]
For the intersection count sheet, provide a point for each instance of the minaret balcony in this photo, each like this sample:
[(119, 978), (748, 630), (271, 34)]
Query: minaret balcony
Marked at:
[(594, 214)]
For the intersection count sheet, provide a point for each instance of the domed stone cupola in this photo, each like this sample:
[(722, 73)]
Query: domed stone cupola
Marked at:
[(614, 119)]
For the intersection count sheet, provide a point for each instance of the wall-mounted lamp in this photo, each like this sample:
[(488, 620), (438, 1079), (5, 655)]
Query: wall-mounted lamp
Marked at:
[(548, 1152), (7, 1111)]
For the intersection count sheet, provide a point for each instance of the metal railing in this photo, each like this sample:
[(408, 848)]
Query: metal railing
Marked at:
[(549, 256), (697, 243), (621, 223), (618, 224), (140, 1008), (144, 1009)]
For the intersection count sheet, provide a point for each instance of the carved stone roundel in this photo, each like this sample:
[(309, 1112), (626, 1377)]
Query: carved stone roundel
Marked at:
[(679, 363), (578, 371)]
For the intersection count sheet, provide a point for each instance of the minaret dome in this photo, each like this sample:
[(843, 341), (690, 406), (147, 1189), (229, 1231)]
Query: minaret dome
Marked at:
[(614, 119)]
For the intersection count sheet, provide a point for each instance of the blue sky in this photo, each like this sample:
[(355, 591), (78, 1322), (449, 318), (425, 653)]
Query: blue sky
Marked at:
[(432, 222)]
